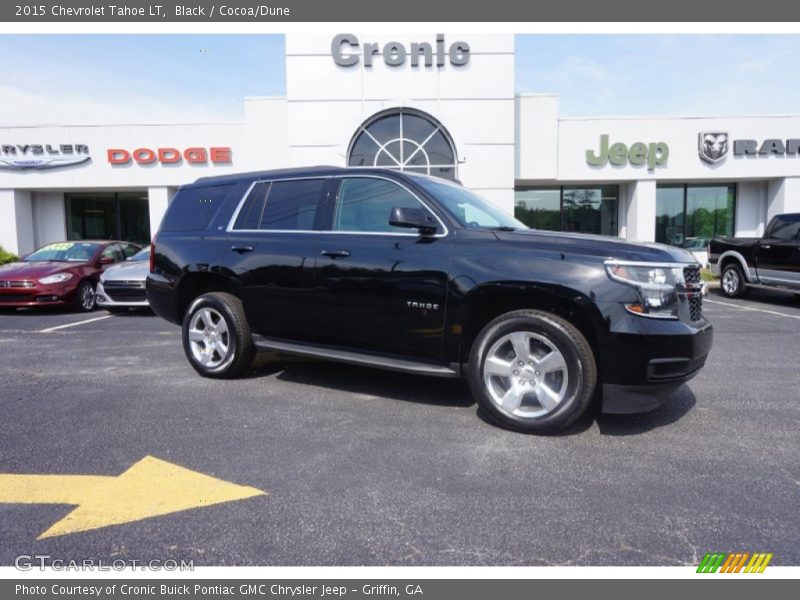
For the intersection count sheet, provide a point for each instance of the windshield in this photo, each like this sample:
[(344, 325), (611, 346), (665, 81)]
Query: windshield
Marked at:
[(468, 209), (141, 255), (64, 251)]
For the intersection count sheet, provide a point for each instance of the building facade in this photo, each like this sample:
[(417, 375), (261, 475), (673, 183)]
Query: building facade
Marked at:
[(440, 104)]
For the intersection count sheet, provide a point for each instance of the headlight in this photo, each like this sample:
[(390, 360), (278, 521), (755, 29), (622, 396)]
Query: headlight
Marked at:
[(57, 278), (656, 284)]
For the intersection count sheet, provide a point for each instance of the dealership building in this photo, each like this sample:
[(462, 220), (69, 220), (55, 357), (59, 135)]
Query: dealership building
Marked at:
[(438, 104)]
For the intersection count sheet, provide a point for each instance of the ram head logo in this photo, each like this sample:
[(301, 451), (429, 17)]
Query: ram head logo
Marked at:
[(712, 146)]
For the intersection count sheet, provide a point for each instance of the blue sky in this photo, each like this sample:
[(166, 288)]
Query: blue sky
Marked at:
[(136, 78), (598, 75), (169, 78)]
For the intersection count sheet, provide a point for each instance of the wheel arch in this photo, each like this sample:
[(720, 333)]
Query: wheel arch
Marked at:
[(732, 256), (196, 284), (487, 302)]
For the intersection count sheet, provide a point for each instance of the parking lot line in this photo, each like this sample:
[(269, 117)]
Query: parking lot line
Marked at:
[(57, 327), (763, 310)]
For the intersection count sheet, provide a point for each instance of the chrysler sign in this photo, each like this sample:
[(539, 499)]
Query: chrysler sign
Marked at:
[(23, 157)]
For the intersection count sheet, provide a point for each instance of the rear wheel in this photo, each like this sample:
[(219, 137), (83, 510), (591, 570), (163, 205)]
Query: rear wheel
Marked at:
[(216, 336), (733, 281), (84, 297), (532, 371)]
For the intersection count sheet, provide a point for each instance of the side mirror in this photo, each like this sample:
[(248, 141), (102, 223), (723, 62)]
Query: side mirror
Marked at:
[(412, 218), (105, 260)]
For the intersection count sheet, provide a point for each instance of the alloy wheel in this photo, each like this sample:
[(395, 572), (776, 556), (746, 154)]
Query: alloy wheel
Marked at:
[(209, 338), (730, 282), (525, 374)]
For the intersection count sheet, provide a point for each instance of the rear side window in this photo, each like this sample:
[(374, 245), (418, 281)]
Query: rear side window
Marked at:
[(194, 208), (281, 205), (785, 228)]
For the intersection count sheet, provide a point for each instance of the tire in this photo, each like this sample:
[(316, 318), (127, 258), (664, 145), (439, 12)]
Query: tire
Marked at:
[(554, 385), (732, 281), (84, 297), (227, 350)]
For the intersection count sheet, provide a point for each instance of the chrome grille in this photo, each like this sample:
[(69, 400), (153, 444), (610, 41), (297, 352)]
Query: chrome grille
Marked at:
[(691, 275), (123, 284), (694, 286), (16, 284)]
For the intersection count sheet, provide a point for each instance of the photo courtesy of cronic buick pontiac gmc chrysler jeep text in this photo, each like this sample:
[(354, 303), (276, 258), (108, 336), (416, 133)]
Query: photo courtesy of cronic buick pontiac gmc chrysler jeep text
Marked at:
[(412, 273)]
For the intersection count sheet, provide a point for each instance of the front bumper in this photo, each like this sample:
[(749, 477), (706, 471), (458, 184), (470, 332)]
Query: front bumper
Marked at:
[(117, 299), (40, 295), (646, 360)]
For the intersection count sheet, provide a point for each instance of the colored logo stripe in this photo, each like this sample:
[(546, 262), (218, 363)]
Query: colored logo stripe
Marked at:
[(733, 562)]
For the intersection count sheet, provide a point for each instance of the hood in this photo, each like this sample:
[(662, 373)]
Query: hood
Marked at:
[(130, 270), (29, 271), (600, 246)]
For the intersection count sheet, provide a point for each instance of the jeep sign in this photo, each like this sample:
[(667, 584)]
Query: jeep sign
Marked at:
[(346, 53), (654, 154)]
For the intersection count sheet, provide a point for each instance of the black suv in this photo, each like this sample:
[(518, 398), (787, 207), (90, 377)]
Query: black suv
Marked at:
[(413, 273)]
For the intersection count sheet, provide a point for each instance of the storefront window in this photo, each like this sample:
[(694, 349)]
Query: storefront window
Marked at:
[(669, 215), (108, 216), (539, 208), (690, 215), (584, 209)]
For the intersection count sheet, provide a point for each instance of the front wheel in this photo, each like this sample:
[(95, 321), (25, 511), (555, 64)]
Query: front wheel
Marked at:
[(216, 336), (733, 282), (532, 371), (85, 297)]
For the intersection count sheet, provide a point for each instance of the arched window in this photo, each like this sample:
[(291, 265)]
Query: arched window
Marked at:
[(404, 139)]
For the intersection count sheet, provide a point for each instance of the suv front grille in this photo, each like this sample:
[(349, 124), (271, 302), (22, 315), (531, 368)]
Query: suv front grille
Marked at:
[(694, 288), (691, 275), (696, 307)]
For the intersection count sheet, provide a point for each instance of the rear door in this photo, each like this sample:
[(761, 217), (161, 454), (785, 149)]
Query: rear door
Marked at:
[(778, 254), (272, 247), (381, 287)]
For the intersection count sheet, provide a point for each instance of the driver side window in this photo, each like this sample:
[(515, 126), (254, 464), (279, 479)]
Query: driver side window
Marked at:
[(113, 252), (364, 204)]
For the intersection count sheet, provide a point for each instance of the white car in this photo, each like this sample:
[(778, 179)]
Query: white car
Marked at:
[(123, 286)]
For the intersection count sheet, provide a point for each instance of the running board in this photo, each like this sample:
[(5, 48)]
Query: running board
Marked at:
[(355, 358)]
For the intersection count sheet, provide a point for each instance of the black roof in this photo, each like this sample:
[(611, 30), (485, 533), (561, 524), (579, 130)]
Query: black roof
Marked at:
[(317, 171)]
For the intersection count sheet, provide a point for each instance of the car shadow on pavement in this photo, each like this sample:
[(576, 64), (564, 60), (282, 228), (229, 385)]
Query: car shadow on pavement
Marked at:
[(451, 392), (674, 408), (364, 380)]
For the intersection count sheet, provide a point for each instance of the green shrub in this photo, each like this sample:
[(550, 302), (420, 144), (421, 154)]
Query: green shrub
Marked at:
[(706, 275), (6, 257)]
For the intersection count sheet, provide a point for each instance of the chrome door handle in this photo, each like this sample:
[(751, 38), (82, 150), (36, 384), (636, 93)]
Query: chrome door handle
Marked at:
[(766, 246), (336, 253), (242, 249)]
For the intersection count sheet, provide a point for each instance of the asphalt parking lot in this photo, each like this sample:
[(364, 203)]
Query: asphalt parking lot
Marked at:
[(376, 468)]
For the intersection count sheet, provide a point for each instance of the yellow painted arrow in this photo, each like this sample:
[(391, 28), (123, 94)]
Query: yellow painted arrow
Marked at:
[(149, 488)]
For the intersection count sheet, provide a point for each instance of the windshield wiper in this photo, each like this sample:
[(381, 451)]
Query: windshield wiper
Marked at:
[(502, 228)]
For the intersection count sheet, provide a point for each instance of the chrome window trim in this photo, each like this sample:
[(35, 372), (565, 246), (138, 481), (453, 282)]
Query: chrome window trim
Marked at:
[(232, 220)]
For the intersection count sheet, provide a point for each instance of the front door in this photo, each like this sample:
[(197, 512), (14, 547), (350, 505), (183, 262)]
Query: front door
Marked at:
[(778, 259), (378, 286)]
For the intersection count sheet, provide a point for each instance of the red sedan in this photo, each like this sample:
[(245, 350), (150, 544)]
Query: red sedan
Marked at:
[(60, 274)]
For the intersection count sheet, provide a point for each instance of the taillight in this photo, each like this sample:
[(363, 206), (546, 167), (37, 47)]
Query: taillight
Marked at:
[(153, 254)]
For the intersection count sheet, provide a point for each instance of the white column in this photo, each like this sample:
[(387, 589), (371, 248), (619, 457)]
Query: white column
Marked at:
[(783, 196), (158, 199), (640, 211), (16, 223)]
